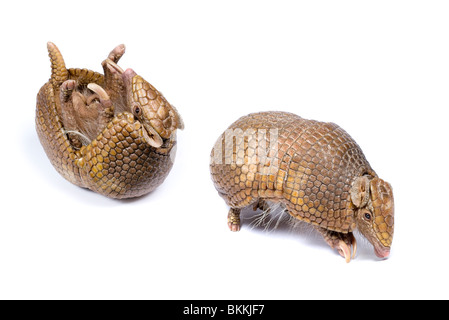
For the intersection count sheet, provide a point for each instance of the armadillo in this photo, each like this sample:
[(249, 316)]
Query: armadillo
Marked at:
[(313, 169), (114, 133)]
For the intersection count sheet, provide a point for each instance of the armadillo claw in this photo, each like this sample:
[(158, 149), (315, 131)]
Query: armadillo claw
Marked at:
[(354, 246), (233, 226), (100, 93), (344, 251), (112, 67), (98, 90), (340, 241)]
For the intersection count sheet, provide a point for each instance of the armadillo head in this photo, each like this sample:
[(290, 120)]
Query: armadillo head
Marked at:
[(159, 119), (373, 199)]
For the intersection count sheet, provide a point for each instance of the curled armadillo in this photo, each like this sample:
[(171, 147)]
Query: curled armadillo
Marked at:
[(114, 133), (315, 170)]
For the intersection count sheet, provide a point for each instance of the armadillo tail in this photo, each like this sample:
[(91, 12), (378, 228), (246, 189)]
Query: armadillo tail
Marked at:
[(59, 73)]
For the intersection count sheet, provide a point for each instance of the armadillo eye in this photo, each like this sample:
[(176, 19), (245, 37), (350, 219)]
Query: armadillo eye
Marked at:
[(367, 216), (136, 110)]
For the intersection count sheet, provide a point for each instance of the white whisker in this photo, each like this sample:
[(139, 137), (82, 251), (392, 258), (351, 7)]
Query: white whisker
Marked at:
[(83, 139)]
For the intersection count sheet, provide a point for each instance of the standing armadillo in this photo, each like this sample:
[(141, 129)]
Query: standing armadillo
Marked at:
[(315, 170)]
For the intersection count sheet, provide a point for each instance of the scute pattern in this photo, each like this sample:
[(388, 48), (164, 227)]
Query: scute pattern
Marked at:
[(118, 163), (308, 165)]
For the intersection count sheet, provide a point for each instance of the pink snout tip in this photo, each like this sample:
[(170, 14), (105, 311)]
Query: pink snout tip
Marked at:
[(382, 253)]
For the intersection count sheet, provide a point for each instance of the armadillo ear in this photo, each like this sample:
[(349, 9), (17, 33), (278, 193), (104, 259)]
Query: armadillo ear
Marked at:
[(360, 192), (179, 121), (152, 137)]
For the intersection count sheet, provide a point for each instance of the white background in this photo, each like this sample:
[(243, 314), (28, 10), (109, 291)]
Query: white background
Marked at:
[(379, 69)]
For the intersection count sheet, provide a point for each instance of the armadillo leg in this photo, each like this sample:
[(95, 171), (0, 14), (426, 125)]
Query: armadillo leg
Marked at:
[(113, 82), (102, 103), (85, 116), (234, 219), (340, 241), (66, 90), (262, 205), (68, 112)]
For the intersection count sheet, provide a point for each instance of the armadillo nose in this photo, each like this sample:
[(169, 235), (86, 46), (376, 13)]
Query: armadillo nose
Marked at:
[(382, 253)]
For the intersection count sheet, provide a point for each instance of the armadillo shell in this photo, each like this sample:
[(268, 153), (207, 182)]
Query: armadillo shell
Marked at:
[(117, 164), (307, 165)]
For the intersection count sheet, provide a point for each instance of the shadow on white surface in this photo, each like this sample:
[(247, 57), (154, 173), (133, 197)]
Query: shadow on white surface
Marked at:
[(43, 171), (282, 225)]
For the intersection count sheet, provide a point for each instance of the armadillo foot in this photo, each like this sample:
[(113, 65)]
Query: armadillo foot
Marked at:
[(234, 219), (117, 53), (340, 241), (67, 88)]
